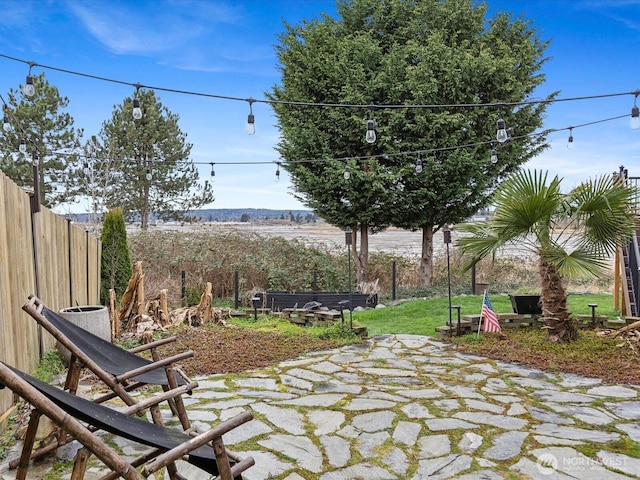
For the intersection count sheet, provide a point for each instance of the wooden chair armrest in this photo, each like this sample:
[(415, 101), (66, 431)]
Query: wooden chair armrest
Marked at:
[(156, 399), (152, 345), (183, 449), (154, 365)]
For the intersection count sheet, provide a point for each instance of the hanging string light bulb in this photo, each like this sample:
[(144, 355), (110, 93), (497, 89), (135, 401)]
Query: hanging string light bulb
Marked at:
[(419, 164), (28, 90), (370, 137), (501, 131), (494, 155), (137, 111), (635, 113), (251, 119), (6, 125), (23, 146), (148, 175), (278, 171), (213, 172), (570, 140), (347, 172)]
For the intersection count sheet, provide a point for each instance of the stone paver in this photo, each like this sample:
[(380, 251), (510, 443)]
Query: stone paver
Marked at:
[(408, 407)]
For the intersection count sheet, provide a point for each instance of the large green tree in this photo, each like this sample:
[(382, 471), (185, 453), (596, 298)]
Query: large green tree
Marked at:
[(46, 130), (154, 174), (572, 234), (410, 55)]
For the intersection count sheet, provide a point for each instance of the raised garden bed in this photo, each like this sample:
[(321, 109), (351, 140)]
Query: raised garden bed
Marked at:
[(278, 301)]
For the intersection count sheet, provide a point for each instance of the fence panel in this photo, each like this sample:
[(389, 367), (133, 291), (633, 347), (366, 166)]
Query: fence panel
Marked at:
[(40, 254)]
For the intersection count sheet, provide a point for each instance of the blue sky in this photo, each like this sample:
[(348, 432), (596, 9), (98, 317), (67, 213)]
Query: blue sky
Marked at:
[(227, 48)]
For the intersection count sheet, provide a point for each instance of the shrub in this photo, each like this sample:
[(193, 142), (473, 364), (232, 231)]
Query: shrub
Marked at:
[(116, 268)]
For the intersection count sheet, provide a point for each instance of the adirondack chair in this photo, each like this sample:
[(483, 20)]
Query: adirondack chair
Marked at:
[(205, 451), (121, 370)]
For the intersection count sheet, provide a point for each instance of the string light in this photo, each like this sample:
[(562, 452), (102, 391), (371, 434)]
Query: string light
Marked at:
[(6, 125), (137, 111), (213, 172), (148, 174), (251, 119), (419, 164), (278, 172), (28, 89), (370, 137), (494, 155), (35, 158), (347, 172), (570, 141), (635, 113), (501, 131), (23, 146)]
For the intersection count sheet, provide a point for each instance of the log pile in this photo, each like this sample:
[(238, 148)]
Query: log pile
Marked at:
[(141, 318), (630, 336)]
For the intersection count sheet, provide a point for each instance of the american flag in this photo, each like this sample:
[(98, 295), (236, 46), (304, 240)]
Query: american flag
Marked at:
[(490, 323)]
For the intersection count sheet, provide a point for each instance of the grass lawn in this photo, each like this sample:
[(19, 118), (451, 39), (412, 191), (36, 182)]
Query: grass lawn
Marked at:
[(421, 317), (591, 355)]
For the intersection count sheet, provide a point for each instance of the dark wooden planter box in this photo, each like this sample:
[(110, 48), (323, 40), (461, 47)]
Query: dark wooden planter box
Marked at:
[(526, 304), (280, 300)]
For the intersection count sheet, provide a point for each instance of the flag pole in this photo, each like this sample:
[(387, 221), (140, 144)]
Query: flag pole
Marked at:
[(480, 322)]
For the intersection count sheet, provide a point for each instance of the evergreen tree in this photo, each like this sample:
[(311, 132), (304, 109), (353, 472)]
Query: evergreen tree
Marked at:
[(116, 268), (154, 175), (405, 53), (48, 137)]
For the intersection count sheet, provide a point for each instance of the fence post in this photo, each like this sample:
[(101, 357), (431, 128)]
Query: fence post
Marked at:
[(183, 290), (473, 279), (236, 290), (393, 280)]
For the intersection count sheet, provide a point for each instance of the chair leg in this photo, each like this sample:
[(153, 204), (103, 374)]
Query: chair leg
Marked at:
[(73, 376), (29, 440), (80, 464), (224, 468), (176, 404)]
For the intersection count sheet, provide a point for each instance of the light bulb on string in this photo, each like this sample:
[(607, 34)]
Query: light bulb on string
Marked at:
[(494, 155), (6, 125), (148, 175), (635, 114), (251, 119), (213, 172), (371, 133), (570, 140), (419, 164), (85, 167), (370, 137), (347, 172), (501, 131), (137, 111), (23, 146), (277, 172), (28, 90)]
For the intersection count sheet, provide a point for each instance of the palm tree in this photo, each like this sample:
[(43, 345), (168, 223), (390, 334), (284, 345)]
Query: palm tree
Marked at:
[(573, 234)]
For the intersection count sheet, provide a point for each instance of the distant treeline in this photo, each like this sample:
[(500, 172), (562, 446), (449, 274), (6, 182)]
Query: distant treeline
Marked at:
[(231, 215)]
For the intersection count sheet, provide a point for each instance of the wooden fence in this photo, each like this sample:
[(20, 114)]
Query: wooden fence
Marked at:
[(46, 255)]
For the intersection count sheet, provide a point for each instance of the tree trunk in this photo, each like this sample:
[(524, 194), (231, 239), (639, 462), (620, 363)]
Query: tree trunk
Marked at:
[(361, 259), (561, 328), (425, 272)]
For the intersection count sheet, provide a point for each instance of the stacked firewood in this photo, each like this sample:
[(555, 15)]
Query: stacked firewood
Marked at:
[(141, 318), (629, 335)]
